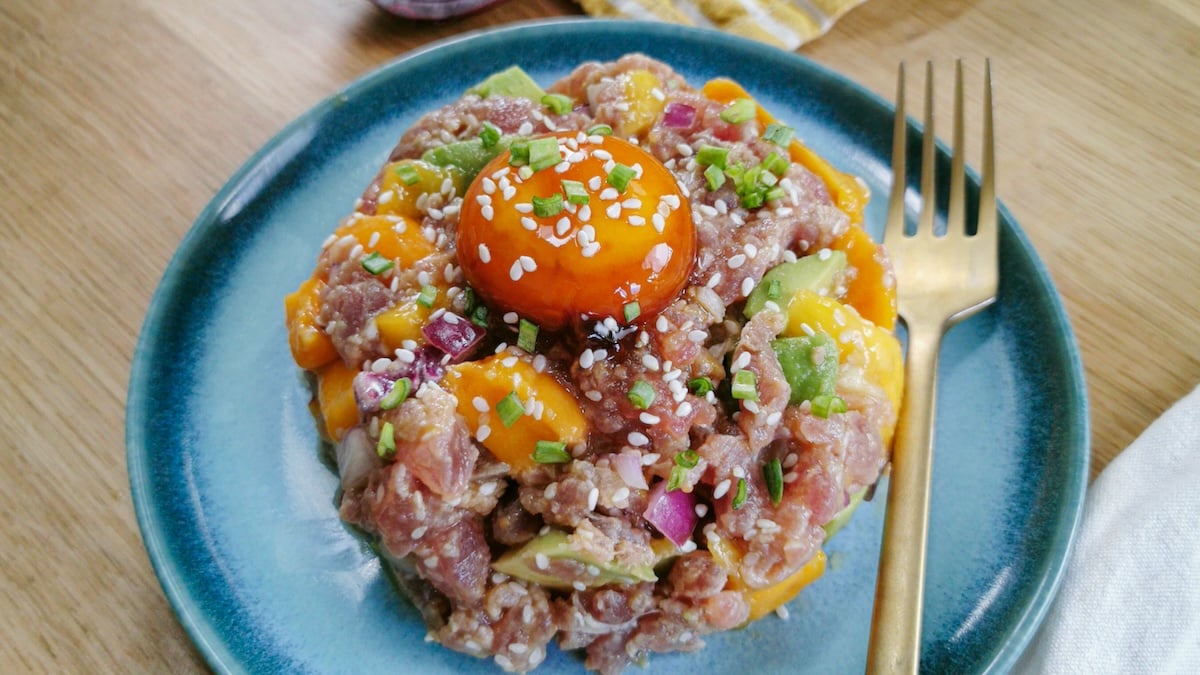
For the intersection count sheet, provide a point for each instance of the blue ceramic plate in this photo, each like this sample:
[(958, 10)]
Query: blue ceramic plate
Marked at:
[(237, 510)]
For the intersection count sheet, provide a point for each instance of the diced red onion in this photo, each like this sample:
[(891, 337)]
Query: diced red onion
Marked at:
[(369, 390), (678, 115), (672, 512), (356, 458), (454, 335), (629, 468)]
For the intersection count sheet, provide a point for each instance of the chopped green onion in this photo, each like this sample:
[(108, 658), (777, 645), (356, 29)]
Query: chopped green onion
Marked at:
[(527, 335), (739, 496), (524, 172), (599, 130), (632, 310), (548, 207), (773, 473), (427, 296), (397, 395), (479, 315), (641, 394), (710, 155), (715, 177), (387, 441), (620, 176), (489, 135), (774, 289), (543, 153), (575, 191), (774, 194), (468, 301), (745, 385), (753, 200), (778, 134), (776, 164), (375, 263), (518, 153), (767, 179), (510, 409), (557, 103), (407, 174), (551, 452), (741, 110), (675, 480), (688, 459), (700, 386), (824, 404)]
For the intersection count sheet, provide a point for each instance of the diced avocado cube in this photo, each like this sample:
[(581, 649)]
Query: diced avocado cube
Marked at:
[(815, 273), (468, 156), (556, 546), (810, 365), (509, 82), (843, 516)]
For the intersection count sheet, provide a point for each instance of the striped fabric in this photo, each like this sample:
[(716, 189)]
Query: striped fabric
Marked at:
[(784, 23)]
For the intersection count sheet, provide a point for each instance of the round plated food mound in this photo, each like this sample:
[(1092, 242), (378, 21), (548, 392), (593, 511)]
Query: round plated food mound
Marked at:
[(605, 363)]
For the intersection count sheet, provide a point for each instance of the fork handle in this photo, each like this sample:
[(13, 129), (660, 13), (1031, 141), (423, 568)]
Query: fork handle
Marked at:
[(895, 645)]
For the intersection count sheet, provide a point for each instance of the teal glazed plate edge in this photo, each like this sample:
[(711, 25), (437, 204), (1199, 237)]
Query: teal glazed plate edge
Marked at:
[(237, 510)]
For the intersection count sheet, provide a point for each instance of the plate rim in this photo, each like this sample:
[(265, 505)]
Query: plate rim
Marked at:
[(199, 626)]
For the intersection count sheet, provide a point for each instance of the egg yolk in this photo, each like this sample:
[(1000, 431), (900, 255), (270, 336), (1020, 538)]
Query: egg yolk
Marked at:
[(603, 231)]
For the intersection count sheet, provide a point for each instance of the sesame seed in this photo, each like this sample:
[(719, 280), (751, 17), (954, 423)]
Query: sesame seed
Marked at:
[(751, 251), (419, 532), (485, 255), (523, 207), (539, 363), (528, 264), (684, 409), (613, 210), (590, 250), (772, 306), (501, 347), (525, 129), (791, 460), (808, 330), (451, 319), (385, 197), (489, 185), (637, 439), (515, 272), (562, 226), (482, 433), (527, 614), (632, 203), (593, 395), (698, 336), (774, 417), (739, 472), (593, 498), (578, 585), (782, 612), (594, 182), (602, 155), (750, 406), (620, 495), (648, 418), (706, 210), (701, 510), (658, 222), (650, 458), (637, 221), (791, 477), (714, 280), (740, 362), (562, 167), (551, 491), (824, 254), (585, 213), (480, 404), (721, 489), (586, 359), (688, 547), (736, 261), (609, 194), (672, 374), (405, 355), (650, 362), (483, 200), (528, 223), (684, 149), (508, 192), (747, 286), (509, 361), (511, 318)]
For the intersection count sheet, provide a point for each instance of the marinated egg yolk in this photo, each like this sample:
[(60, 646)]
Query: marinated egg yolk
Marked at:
[(600, 229)]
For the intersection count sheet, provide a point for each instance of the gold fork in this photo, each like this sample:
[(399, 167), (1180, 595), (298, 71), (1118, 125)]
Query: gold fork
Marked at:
[(940, 280)]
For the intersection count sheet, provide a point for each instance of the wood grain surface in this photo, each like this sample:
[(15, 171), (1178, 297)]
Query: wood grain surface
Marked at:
[(119, 120)]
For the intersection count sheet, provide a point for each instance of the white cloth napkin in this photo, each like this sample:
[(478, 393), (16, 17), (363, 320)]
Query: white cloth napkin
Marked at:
[(1130, 599)]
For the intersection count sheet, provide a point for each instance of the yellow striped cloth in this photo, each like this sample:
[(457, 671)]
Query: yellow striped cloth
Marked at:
[(783, 23)]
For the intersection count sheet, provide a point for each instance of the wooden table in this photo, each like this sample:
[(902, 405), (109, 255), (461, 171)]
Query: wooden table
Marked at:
[(119, 119)]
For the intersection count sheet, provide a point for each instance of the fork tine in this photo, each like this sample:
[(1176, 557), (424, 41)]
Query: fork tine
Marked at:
[(955, 220), (895, 219), (987, 190), (928, 172)]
